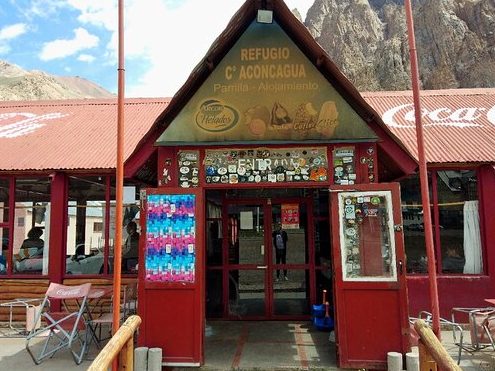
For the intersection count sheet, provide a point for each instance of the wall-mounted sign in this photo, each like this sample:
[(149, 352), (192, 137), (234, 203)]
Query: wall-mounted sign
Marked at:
[(262, 165), (265, 89), (290, 216)]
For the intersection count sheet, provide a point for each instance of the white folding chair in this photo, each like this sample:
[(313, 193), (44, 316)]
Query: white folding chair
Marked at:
[(63, 330), (481, 329)]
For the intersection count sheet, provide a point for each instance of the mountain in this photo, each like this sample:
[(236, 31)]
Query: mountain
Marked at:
[(19, 84), (367, 39)]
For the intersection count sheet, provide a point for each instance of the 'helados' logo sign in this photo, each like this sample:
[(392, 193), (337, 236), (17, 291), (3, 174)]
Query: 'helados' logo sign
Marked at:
[(214, 116)]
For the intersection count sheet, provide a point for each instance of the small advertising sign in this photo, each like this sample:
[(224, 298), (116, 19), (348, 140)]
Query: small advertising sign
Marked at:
[(290, 216)]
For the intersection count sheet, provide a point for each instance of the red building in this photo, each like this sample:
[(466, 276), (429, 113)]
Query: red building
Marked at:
[(266, 132)]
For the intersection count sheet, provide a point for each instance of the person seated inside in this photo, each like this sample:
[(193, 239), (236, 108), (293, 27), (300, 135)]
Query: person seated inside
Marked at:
[(32, 246), (130, 251), (453, 262)]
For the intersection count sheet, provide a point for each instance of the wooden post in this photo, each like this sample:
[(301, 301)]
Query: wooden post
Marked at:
[(121, 342), (426, 361), (127, 356), (431, 350)]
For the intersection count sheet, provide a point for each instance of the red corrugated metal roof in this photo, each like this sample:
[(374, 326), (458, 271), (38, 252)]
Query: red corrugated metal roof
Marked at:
[(459, 125), (71, 134)]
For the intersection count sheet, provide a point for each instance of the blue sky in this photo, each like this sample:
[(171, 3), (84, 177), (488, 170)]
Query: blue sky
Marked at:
[(164, 39)]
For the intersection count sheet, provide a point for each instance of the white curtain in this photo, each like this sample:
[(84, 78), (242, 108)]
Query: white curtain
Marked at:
[(472, 239)]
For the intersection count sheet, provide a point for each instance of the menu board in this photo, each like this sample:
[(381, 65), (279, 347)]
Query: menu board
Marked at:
[(261, 165), (170, 238), (188, 168), (344, 168)]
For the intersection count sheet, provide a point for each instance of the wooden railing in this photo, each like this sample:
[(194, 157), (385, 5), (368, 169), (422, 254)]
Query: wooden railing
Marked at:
[(431, 351), (121, 343)]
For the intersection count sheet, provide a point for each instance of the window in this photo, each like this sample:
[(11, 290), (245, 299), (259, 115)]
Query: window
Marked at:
[(455, 220), (91, 226), (459, 221), (412, 219), (30, 245), (86, 207), (4, 220)]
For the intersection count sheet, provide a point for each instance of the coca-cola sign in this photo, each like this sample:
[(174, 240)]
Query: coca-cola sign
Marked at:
[(403, 116), (16, 124)]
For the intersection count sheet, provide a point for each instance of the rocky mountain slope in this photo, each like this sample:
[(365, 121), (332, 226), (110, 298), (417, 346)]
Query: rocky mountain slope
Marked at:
[(367, 39), (19, 84)]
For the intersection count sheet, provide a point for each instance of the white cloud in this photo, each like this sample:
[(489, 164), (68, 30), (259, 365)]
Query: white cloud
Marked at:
[(44, 8), (9, 33), (170, 37), (12, 31), (86, 58), (62, 48)]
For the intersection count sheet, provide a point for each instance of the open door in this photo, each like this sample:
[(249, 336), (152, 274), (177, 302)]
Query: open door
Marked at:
[(370, 282)]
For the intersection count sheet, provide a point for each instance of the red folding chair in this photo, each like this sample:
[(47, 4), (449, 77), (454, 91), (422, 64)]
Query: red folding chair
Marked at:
[(63, 330)]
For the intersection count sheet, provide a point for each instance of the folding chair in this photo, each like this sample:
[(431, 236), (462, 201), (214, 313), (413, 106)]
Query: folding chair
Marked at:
[(481, 328), (63, 330), (129, 305), (456, 328)]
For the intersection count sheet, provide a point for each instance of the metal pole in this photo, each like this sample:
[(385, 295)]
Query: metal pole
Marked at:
[(423, 173), (117, 252)]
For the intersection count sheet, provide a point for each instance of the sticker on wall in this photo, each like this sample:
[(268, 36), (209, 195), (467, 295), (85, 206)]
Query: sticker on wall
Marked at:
[(344, 172), (263, 165), (189, 169)]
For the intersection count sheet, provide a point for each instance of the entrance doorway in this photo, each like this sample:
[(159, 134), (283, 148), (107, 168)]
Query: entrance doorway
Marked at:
[(248, 277)]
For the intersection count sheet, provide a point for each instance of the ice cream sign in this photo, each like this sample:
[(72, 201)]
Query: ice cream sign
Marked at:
[(403, 116), (16, 124)]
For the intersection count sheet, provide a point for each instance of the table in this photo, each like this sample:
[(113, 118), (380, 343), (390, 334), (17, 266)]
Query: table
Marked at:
[(30, 305)]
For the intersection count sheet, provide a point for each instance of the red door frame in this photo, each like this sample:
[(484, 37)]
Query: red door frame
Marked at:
[(266, 204), (345, 290)]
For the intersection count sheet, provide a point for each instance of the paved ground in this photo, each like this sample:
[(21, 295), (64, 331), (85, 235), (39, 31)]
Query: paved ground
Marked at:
[(276, 345)]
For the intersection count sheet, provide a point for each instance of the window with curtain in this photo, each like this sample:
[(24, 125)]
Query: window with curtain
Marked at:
[(455, 222), (459, 226)]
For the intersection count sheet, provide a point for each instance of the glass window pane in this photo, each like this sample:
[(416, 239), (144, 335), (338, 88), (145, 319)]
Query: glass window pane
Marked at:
[(412, 219), (292, 297), (4, 200), (289, 234), (367, 238), (459, 221), (214, 242), (214, 293), (322, 242), (86, 212), (246, 234), (4, 237), (246, 293), (32, 226)]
